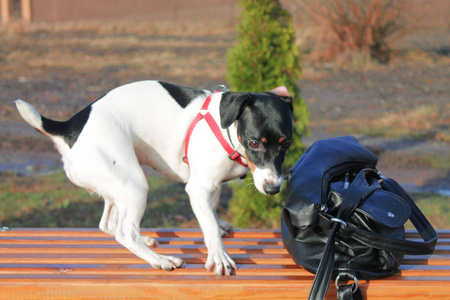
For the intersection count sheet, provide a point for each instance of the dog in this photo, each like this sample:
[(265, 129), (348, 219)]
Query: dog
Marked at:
[(146, 123)]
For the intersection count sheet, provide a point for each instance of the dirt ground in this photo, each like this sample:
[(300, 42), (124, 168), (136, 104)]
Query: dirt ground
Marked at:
[(61, 71)]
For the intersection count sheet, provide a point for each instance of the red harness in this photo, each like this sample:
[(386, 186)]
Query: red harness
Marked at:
[(204, 114)]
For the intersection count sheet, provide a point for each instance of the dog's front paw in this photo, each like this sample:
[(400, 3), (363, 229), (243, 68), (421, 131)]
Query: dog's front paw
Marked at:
[(221, 263), (225, 228)]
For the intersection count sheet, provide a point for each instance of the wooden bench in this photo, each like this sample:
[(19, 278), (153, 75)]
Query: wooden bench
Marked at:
[(88, 264)]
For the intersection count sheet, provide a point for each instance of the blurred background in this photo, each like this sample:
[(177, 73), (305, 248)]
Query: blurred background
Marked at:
[(375, 69)]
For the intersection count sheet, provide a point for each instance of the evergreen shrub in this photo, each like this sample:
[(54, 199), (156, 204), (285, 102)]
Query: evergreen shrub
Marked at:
[(264, 58)]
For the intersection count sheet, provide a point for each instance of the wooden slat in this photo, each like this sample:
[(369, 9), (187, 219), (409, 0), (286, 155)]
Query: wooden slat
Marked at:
[(88, 264), (164, 232)]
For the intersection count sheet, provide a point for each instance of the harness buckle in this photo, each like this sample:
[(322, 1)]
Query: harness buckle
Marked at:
[(235, 155), (220, 88)]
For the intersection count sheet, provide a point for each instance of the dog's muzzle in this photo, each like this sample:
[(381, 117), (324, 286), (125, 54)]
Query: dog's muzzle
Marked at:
[(267, 181), (272, 189)]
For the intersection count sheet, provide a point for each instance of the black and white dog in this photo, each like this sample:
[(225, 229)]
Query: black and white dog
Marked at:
[(149, 122)]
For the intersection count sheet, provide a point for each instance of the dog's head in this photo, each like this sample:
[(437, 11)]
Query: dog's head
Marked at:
[(264, 127)]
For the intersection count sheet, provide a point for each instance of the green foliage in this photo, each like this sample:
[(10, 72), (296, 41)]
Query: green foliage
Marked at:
[(264, 58), (251, 209), (266, 55)]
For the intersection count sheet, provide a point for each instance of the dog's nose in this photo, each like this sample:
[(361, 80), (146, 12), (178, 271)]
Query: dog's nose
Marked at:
[(271, 189)]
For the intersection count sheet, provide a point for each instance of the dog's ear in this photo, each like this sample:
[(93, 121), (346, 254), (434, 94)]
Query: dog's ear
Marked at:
[(281, 91), (232, 106), (284, 94)]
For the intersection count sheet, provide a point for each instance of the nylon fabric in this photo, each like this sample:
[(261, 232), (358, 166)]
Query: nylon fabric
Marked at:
[(204, 114), (342, 218)]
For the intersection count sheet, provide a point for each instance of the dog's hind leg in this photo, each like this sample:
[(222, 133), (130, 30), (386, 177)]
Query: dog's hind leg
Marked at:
[(115, 174), (225, 227), (122, 216), (108, 222), (130, 207), (149, 241)]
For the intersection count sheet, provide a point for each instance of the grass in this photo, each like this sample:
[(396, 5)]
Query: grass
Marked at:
[(416, 122), (125, 50), (421, 122), (52, 201), (435, 207), (92, 55), (143, 50), (199, 27), (46, 201)]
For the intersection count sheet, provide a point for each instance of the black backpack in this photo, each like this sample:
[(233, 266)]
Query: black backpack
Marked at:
[(343, 220)]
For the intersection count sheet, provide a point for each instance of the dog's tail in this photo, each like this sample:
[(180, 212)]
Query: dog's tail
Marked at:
[(30, 114), (68, 130), (40, 123)]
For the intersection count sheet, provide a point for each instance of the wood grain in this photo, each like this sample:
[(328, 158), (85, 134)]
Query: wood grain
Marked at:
[(72, 263)]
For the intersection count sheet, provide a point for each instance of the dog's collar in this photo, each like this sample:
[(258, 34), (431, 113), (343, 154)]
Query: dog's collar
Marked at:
[(204, 114)]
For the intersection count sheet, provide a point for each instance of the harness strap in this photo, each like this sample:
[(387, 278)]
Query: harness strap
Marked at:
[(204, 114)]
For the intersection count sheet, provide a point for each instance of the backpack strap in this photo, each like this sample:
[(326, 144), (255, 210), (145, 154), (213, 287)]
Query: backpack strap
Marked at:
[(359, 189), (417, 218)]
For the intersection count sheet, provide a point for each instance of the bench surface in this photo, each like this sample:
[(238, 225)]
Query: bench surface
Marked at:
[(73, 263)]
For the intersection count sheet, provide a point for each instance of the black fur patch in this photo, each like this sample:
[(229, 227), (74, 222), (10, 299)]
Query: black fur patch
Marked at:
[(70, 129), (183, 95), (266, 120)]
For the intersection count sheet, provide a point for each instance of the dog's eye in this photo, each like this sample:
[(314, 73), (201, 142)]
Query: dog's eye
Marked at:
[(254, 144)]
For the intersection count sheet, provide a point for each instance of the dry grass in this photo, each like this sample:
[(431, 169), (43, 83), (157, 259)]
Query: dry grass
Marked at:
[(419, 122), (169, 28), (30, 50), (419, 119)]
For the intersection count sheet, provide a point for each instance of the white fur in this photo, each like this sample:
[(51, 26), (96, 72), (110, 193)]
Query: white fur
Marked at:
[(265, 176), (29, 114), (140, 123)]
